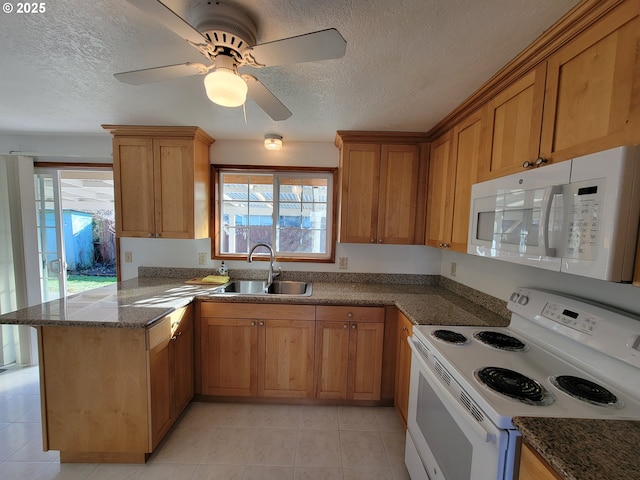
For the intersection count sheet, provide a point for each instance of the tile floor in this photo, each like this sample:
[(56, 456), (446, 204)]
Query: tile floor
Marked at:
[(218, 441)]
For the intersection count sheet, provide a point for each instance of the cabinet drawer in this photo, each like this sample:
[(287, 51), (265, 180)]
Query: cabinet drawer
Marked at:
[(259, 310), (350, 314), (160, 332)]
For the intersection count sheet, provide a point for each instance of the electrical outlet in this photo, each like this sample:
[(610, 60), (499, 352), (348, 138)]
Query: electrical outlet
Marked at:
[(128, 257), (202, 258), (453, 269), (343, 262)]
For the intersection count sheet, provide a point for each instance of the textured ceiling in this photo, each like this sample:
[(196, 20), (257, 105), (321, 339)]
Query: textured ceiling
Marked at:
[(408, 64)]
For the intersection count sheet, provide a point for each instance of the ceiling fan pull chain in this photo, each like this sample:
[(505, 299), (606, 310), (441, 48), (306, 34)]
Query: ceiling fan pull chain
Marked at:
[(244, 111)]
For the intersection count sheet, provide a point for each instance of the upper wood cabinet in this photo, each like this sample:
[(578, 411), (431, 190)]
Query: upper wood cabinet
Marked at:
[(382, 187), (514, 120), (161, 181), (440, 192), (592, 98)]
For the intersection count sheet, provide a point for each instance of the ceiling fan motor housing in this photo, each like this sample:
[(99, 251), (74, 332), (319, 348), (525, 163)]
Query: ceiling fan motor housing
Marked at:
[(225, 26)]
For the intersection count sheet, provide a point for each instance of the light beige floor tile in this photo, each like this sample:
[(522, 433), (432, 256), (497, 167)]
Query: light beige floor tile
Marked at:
[(168, 472), (243, 415), (16, 436), (218, 472), (67, 471), (318, 417), (317, 473), (362, 450), (23, 470), (185, 444), (367, 474), (279, 416), (273, 446), (388, 420), (318, 448), (268, 473), (394, 445), (32, 452), (400, 473), (357, 418), (204, 413), (117, 472), (229, 446)]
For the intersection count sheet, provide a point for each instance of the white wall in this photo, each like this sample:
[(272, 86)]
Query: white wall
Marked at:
[(67, 148), (498, 278)]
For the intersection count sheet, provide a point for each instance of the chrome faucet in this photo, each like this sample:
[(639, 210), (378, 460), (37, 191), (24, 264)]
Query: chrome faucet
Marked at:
[(272, 258)]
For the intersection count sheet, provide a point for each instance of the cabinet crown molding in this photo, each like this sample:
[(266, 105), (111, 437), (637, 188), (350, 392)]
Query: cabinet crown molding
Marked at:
[(159, 131), (360, 136)]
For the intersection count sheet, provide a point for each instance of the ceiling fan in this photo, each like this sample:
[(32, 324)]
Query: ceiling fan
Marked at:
[(226, 36)]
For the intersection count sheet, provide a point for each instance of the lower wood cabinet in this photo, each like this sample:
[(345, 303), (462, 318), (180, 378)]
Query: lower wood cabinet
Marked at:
[(251, 350), (403, 367), (349, 345), (534, 467), (110, 394), (170, 370)]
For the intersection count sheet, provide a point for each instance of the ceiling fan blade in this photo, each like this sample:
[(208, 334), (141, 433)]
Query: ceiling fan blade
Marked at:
[(311, 47), (164, 15), (265, 99), (158, 74)]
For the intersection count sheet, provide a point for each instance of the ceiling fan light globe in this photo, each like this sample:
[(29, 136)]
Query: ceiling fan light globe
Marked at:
[(225, 88)]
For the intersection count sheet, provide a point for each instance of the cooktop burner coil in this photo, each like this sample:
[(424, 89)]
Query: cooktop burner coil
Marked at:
[(514, 385), (500, 341), (585, 390), (449, 336)]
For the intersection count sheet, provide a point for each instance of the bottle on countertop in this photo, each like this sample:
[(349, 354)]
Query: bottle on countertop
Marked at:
[(223, 270)]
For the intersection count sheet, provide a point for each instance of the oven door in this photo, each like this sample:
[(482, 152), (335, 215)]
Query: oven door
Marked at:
[(445, 440)]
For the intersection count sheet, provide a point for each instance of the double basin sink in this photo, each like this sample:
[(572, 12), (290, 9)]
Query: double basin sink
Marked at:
[(259, 287)]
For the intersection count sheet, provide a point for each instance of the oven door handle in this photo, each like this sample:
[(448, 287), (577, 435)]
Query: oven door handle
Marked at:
[(485, 435)]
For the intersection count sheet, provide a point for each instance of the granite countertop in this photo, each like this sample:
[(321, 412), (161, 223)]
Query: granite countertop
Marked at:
[(139, 302), (584, 449)]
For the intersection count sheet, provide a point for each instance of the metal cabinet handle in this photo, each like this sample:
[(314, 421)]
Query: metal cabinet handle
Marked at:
[(380, 240), (405, 329), (354, 326), (540, 161), (253, 324), (528, 164), (261, 324), (345, 326), (175, 337), (373, 240), (350, 315)]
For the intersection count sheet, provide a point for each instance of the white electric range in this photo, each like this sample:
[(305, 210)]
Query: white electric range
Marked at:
[(559, 357)]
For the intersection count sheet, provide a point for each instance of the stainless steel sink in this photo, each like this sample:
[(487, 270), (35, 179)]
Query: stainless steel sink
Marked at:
[(259, 287)]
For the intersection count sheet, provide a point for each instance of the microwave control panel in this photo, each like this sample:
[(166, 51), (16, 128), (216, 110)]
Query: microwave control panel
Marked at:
[(583, 233)]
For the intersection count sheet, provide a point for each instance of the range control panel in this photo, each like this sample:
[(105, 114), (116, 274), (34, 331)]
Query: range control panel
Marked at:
[(570, 317)]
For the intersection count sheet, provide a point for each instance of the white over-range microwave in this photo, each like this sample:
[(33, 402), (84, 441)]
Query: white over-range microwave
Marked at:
[(579, 216)]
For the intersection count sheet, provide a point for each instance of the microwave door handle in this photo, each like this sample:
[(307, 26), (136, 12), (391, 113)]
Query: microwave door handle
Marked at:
[(545, 213)]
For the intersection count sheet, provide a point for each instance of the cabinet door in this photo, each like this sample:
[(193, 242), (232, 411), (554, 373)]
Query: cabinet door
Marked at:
[(174, 187), (403, 367), (468, 143), (360, 177), (532, 467), (285, 358), (182, 363), (133, 185), (160, 391), (229, 356), (332, 359), (592, 99), (398, 194), (514, 121), (440, 192), (365, 361)]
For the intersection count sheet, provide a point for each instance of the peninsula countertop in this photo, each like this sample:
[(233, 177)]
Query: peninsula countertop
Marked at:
[(139, 302)]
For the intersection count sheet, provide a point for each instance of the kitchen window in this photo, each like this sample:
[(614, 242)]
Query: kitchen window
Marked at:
[(291, 210)]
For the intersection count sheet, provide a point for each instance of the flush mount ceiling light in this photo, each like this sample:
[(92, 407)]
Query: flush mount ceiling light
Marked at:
[(272, 141), (223, 85)]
